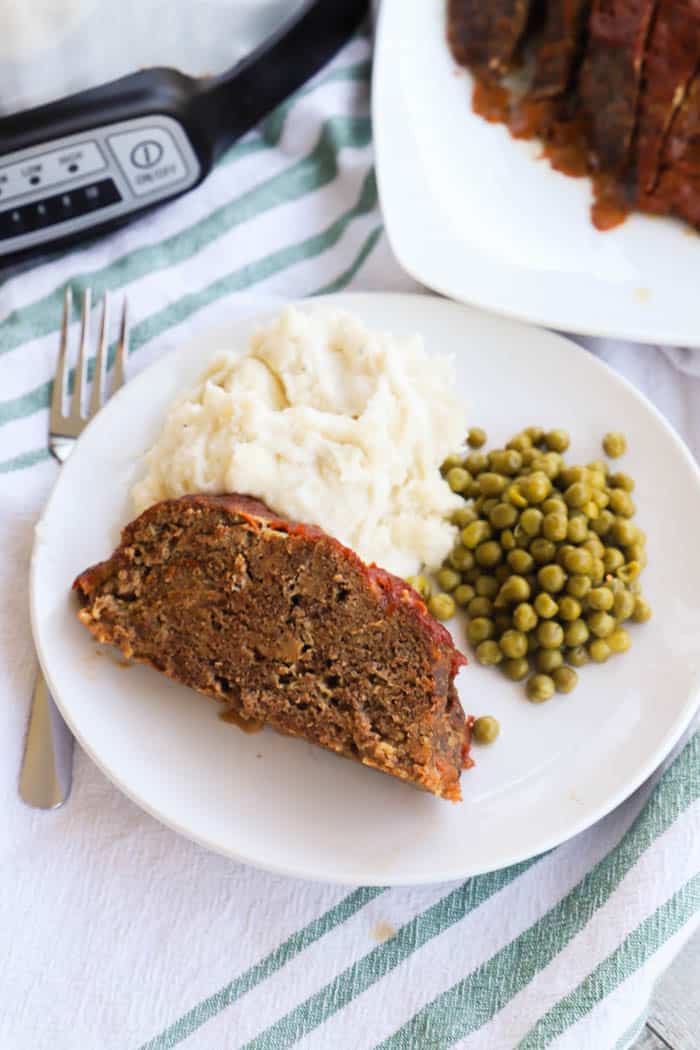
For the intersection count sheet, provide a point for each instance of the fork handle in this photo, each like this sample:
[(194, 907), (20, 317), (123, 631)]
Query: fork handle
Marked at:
[(47, 767)]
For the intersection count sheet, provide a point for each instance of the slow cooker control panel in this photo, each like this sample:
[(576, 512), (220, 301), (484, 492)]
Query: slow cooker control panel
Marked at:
[(68, 185)]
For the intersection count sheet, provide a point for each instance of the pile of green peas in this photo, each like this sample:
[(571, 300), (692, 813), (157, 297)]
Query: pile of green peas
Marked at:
[(548, 559)]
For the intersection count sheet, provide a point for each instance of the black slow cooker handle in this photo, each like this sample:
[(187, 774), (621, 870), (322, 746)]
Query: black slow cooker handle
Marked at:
[(214, 111)]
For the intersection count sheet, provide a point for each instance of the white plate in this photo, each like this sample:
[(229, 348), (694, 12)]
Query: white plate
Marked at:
[(475, 215), (292, 808)]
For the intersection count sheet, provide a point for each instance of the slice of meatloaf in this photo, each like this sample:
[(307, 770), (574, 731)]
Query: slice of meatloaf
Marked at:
[(677, 190), (485, 36), (287, 627), (611, 74), (560, 46), (673, 53)]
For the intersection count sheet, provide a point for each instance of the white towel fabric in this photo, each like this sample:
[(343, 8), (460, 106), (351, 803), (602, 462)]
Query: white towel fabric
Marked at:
[(114, 932)]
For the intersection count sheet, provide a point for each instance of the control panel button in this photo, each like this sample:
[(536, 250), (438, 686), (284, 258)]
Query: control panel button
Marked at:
[(45, 169), (58, 208), (149, 158)]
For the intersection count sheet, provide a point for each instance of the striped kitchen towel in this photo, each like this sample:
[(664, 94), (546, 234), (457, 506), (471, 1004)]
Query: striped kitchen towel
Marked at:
[(114, 932)]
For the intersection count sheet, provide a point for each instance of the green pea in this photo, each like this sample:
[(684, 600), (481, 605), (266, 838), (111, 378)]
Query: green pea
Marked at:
[(595, 478), (524, 617), (507, 540), (578, 656), (576, 530), (613, 559), (619, 641), (448, 579), (420, 584), (461, 559), (642, 610), (487, 505), (492, 484), (458, 479), (578, 561), (547, 660), (540, 687), (476, 533), (522, 442), (536, 487), (571, 476), (614, 444), (597, 572), (513, 644), (516, 670), (453, 460), (601, 598), (624, 532), (578, 586), (622, 503), (551, 578), (594, 547), (486, 729), (463, 594), (442, 606), (488, 554), (506, 461), (550, 464), (520, 561), (576, 633), (578, 494), (480, 606), (557, 440), (545, 606), (486, 586), (531, 521), (565, 679), (464, 516), (476, 437), (569, 608), (562, 552), (601, 499), (535, 434), (480, 629), (542, 550), (555, 526), (554, 504), (476, 462), (603, 523), (550, 634), (601, 624), (489, 653), (624, 605), (599, 650), (622, 481), (515, 589), (503, 516)]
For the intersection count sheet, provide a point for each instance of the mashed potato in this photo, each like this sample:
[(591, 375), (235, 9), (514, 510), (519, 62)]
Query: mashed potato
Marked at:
[(327, 422)]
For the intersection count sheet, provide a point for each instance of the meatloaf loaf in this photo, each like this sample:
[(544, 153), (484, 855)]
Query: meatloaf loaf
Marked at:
[(288, 627)]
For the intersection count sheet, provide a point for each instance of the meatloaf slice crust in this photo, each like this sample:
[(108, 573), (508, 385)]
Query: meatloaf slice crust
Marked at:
[(287, 627)]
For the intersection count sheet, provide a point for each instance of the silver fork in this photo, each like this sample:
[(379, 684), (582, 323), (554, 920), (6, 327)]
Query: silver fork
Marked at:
[(47, 766)]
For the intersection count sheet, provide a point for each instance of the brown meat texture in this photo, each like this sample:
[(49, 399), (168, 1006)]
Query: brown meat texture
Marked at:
[(560, 47), (611, 74), (677, 191), (285, 626), (672, 56), (485, 36)]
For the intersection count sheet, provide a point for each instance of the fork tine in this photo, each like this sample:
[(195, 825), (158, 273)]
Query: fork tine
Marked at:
[(122, 349), (98, 377), (79, 378), (59, 382)]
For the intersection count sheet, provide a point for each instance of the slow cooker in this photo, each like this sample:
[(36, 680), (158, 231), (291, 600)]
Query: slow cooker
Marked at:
[(107, 110)]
